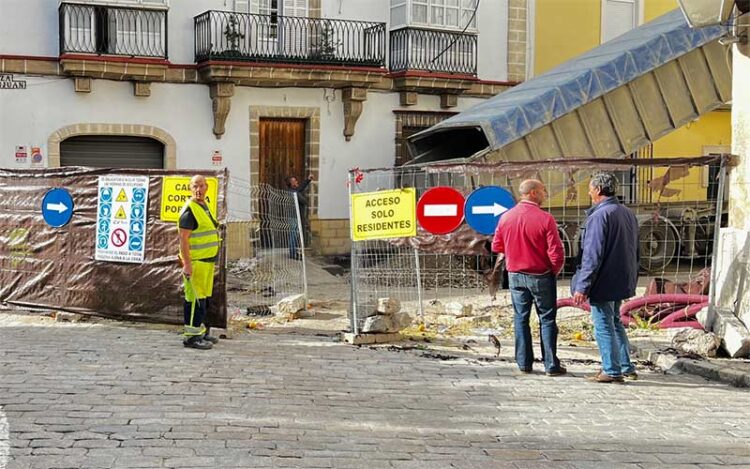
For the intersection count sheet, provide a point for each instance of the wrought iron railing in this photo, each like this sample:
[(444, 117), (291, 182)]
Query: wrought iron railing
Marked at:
[(221, 35), (97, 29), (434, 51)]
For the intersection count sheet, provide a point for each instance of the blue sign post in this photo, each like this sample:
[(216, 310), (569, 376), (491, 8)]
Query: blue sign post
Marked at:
[(484, 207), (57, 207)]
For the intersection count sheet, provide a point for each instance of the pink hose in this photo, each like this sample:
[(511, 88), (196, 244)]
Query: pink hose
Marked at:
[(678, 309), (682, 317), (680, 298)]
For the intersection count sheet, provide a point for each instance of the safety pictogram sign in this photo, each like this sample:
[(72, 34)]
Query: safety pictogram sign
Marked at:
[(384, 214), (121, 218), (440, 210)]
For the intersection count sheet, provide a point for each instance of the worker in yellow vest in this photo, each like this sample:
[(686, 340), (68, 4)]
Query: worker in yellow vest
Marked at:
[(199, 250)]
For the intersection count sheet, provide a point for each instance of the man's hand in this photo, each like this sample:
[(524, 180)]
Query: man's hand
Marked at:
[(311, 177), (580, 298), (187, 269)]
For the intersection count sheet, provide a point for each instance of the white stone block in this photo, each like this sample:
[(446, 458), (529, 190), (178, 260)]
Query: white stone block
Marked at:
[(291, 304), (388, 305), (458, 309)]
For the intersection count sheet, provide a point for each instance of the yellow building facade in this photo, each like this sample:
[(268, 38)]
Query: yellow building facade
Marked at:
[(560, 30)]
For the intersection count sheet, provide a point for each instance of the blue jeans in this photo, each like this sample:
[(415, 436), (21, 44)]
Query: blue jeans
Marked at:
[(541, 290), (611, 338)]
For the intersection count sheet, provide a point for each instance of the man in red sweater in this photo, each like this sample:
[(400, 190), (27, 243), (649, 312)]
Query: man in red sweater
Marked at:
[(534, 256)]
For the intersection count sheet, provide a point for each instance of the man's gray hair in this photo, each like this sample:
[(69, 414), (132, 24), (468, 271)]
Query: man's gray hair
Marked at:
[(606, 183)]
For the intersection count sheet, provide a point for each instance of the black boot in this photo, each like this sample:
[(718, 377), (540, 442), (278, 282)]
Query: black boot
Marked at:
[(210, 338), (197, 342)]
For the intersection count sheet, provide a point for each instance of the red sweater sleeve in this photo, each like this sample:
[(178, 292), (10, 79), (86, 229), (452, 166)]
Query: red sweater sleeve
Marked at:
[(555, 250), (497, 241)]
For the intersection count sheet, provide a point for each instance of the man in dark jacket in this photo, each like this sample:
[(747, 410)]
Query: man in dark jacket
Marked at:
[(293, 184), (607, 274)]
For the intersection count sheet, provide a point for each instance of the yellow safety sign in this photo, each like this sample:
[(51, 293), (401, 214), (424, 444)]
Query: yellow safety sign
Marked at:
[(122, 196), (120, 215), (384, 214), (175, 191)]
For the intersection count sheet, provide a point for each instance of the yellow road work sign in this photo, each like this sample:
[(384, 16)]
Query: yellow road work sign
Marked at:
[(384, 214), (175, 191)]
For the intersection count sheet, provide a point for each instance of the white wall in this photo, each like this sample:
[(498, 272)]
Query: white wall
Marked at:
[(492, 44)]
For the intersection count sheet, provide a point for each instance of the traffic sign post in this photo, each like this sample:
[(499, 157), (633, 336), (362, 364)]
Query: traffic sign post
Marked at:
[(440, 210), (57, 207), (485, 206)]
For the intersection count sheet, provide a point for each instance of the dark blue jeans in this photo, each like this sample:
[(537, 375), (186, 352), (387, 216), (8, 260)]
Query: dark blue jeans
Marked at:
[(540, 290)]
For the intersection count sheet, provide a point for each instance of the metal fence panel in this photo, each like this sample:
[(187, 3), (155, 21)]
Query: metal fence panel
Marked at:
[(676, 202), (276, 268)]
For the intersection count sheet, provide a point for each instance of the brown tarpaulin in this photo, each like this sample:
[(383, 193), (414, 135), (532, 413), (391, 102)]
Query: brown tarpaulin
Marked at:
[(54, 268)]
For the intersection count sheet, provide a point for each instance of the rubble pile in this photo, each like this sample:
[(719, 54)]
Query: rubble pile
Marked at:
[(386, 318)]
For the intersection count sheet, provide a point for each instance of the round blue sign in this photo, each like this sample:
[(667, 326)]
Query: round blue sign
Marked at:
[(485, 206), (57, 207)]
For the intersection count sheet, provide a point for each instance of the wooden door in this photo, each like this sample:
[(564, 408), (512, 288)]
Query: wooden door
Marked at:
[(282, 151)]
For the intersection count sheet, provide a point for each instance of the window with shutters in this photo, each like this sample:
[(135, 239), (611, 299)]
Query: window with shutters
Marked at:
[(619, 17), (438, 14), (133, 27)]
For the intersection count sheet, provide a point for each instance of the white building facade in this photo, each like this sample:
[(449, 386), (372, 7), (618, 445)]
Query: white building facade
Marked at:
[(265, 88)]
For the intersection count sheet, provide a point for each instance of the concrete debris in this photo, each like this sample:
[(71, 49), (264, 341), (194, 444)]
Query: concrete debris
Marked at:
[(386, 323), (242, 266), (388, 305), (458, 309), (68, 317), (474, 320), (735, 337), (291, 304), (691, 340)]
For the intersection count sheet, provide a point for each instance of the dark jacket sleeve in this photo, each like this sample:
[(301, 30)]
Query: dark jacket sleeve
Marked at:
[(593, 250), (303, 186)]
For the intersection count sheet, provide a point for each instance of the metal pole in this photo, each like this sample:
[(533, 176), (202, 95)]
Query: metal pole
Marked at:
[(717, 226), (353, 263), (301, 246), (419, 284)]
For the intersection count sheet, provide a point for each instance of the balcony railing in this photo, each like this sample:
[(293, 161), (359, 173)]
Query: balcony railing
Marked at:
[(223, 35), (434, 51), (95, 29)]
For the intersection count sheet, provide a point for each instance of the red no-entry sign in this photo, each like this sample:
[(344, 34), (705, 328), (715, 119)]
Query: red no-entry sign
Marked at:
[(440, 210)]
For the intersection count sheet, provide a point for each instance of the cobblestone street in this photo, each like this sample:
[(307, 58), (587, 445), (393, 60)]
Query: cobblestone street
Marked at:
[(108, 396)]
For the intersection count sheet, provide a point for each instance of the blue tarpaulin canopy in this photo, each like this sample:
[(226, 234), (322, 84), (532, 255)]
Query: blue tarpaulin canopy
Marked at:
[(538, 102)]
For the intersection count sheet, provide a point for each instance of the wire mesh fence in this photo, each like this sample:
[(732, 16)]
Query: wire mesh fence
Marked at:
[(277, 238), (678, 203)]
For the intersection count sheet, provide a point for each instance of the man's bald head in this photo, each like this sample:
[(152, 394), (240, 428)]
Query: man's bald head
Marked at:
[(533, 190), (198, 188)]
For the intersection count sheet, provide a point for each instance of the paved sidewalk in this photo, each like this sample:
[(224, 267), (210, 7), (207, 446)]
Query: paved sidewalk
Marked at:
[(105, 396)]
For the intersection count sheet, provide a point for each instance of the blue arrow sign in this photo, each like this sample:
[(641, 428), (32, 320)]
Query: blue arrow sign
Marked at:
[(484, 207), (57, 207), (104, 226)]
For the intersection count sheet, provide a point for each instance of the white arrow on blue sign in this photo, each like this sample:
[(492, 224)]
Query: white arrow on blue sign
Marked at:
[(484, 207), (57, 207)]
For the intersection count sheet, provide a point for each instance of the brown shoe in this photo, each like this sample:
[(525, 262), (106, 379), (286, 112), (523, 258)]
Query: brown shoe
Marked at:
[(603, 377), (560, 371)]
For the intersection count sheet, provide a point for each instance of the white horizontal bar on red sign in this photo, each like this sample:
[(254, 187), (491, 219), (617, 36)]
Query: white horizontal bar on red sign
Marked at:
[(441, 210)]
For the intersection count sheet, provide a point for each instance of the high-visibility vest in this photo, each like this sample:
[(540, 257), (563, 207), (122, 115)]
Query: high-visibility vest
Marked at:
[(204, 240)]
